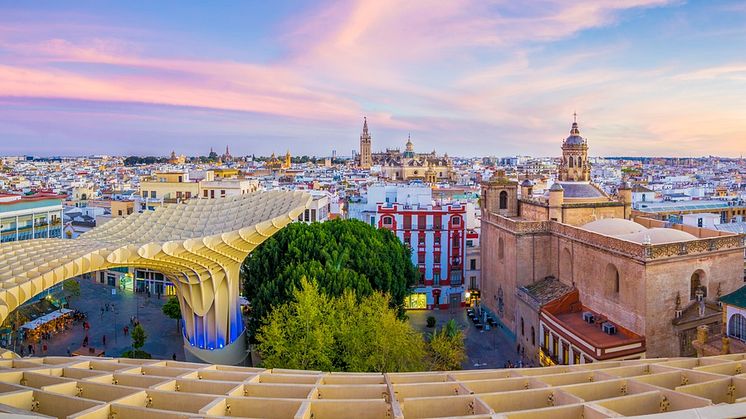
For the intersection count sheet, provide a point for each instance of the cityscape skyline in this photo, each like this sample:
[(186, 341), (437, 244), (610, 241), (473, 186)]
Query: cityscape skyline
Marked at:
[(650, 77)]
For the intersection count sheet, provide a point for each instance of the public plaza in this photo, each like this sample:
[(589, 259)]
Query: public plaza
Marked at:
[(163, 341)]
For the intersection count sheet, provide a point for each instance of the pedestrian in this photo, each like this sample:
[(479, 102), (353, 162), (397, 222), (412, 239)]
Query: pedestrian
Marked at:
[(103, 339), (68, 350), (520, 363), (173, 356), (30, 349), (44, 348)]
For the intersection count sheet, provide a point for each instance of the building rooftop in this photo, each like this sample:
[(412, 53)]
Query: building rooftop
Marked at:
[(634, 232), (670, 206), (736, 298), (87, 386), (546, 290)]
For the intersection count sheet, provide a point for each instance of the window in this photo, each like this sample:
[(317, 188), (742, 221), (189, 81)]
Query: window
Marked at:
[(437, 239), (178, 195), (576, 357), (695, 283), (188, 195), (522, 334), (500, 248), (421, 239), (473, 282), (152, 194), (222, 192), (612, 280), (533, 336), (144, 194), (204, 193), (456, 278), (503, 200), (473, 264), (470, 243), (212, 193), (436, 278), (456, 221), (407, 222), (737, 327), (421, 222), (572, 161), (387, 221), (421, 258)]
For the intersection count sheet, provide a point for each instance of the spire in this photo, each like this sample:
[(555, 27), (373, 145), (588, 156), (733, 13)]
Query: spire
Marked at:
[(575, 130), (227, 152), (365, 125)]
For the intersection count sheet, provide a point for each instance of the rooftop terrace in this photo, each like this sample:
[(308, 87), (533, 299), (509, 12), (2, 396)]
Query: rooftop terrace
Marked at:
[(85, 387)]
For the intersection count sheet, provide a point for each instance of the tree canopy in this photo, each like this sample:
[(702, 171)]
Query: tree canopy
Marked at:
[(446, 348), (339, 255), (171, 309), (318, 332), (71, 287)]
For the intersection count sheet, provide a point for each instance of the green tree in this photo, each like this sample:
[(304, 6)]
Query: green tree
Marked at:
[(71, 287), (339, 255), (446, 348), (172, 309), (139, 337), (298, 334), (346, 333)]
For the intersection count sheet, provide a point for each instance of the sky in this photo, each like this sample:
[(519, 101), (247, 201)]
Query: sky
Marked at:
[(470, 78)]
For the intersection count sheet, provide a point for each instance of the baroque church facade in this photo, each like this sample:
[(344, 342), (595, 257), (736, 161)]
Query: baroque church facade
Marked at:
[(404, 166), (577, 279)]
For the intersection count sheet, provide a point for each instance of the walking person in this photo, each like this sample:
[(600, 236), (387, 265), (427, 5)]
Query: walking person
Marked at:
[(103, 339)]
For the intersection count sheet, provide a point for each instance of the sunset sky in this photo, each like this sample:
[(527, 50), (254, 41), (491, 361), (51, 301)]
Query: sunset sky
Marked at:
[(646, 77)]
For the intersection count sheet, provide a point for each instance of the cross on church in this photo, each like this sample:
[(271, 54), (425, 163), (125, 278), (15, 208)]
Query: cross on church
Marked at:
[(575, 117)]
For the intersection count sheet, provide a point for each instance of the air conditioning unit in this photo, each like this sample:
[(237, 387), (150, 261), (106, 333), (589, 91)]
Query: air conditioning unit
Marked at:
[(588, 317), (609, 328)]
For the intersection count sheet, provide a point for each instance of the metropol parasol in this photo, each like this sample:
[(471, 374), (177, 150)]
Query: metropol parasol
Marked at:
[(199, 246)]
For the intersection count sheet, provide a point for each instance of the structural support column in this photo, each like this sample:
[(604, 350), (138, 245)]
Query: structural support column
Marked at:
[(213, 325)]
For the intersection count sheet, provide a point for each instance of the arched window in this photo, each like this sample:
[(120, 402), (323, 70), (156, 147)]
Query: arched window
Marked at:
[(500, 248), (696, 283), (503, 200), (572, 161), (387, 221), (522, 334), (613, 279), (737, 327), (533, 336)]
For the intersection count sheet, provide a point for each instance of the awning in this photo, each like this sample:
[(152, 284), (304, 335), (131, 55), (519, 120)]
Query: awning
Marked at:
[(46, 319)]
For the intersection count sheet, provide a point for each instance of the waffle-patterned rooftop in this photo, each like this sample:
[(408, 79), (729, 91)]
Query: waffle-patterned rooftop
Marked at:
[(83, 387)]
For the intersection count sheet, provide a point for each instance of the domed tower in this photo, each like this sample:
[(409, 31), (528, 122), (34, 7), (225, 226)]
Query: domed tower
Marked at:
[(409, 148), (574, 166), (366, 158)]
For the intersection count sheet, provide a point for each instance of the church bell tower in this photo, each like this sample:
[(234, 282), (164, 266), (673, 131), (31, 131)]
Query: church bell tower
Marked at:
[(574, 166), (366, 159)]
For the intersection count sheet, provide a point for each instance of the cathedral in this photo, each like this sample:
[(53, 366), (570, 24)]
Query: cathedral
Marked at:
[(404, 166), (577, 279)]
